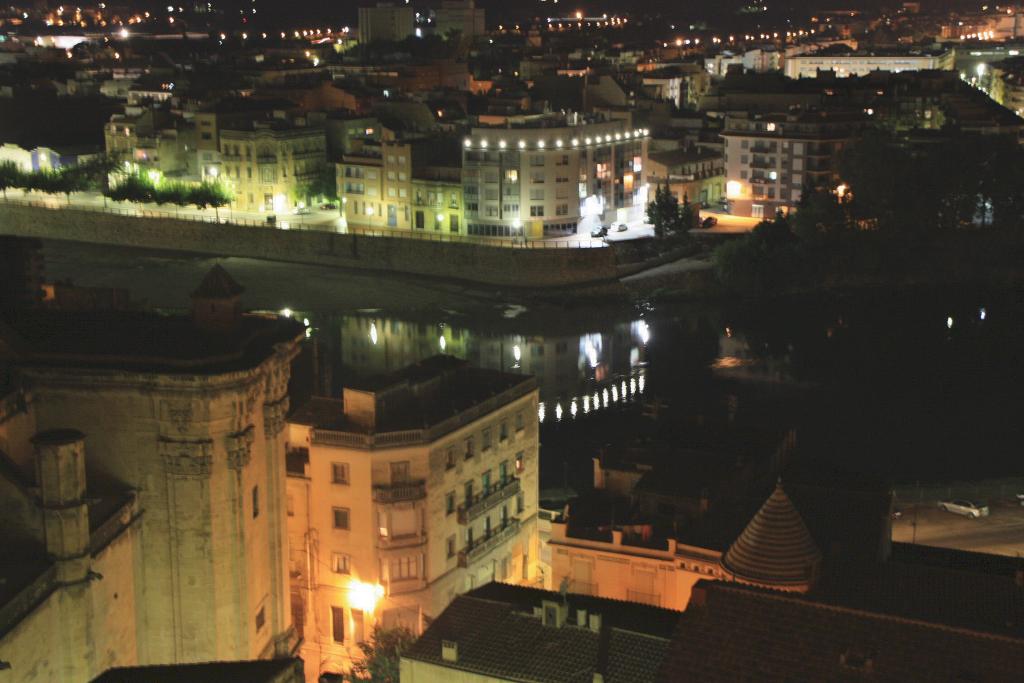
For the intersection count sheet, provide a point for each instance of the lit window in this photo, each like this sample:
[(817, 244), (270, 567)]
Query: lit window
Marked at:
[(770, 127)]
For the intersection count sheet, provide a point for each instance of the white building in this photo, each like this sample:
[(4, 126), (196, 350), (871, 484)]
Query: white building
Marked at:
[(845, 62), (416, 487), (553, 176)]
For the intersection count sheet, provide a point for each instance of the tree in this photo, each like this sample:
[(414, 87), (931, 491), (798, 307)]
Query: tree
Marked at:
[(381, 655), (210, 194), (10, 176), (664, 212)]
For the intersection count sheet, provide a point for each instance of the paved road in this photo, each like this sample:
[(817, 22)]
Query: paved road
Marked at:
[(1002, 532)]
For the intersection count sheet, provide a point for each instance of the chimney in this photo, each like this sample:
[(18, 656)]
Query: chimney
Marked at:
[(581, 617), (595, 623), (60, 473), (450, 651), (554, 613)]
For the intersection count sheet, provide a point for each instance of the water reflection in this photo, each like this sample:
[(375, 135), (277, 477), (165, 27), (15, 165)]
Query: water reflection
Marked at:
[(572, 369)]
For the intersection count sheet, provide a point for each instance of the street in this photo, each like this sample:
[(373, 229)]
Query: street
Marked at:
[(1002, 532)]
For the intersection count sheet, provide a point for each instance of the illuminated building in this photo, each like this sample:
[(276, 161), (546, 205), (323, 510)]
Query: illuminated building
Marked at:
[(771, 158), (142, 483), (845, 62), (269, 165), (415, 487), (558, 175)]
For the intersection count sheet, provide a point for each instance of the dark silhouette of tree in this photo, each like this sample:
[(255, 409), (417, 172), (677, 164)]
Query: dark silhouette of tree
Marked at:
[(381, 655)]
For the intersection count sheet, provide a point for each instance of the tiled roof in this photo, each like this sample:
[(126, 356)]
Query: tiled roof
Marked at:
[(732, 633), (503, 639), (775, 548), (218, 284)]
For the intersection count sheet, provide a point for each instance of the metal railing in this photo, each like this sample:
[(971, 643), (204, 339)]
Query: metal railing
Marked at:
[(395, 493), (486, 501), (485, 545)]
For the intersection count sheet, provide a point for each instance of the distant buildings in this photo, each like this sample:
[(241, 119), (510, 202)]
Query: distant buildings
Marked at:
[(142, 480), (845, 62), (385, 22), (459, 16), (414, 488)]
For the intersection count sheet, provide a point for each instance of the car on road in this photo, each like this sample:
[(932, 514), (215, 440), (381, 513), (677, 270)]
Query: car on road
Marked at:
[(599, 232), (709, 222), (328, 207), (621, 227), (967, 508)]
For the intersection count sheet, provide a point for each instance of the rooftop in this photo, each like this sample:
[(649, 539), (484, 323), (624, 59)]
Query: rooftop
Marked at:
[(498, 634), (261, 671), (140, 341), (732, 632)]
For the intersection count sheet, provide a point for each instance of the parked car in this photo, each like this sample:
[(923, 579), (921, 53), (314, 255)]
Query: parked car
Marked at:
[(621, 227), (600, 231), (709, 222), (967, 508), (328, 207)]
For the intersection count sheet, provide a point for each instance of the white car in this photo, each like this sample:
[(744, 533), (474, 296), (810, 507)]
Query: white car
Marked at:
[(967, 508)]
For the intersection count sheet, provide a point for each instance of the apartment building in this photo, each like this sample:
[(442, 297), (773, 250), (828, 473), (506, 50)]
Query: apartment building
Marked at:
[(696, 174), (556, 175), (385, 22), (415, 487), (771, 158), (403, 186), (269, 165), (845, 62)]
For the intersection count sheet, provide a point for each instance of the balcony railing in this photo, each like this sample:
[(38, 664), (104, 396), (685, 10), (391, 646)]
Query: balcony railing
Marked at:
[(485, 501), (488, 543), (645, 598), (582, 587), (396, 493), (402, 541), (762, 162)]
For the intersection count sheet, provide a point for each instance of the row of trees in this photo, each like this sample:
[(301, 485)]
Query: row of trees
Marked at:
[(106, 176)]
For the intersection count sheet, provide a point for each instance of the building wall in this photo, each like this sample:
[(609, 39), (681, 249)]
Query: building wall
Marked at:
[(195, 447), (413, 671), (537, 182), (268, 170), (418, 525), (807, 66), (471, 262), (385, 23)]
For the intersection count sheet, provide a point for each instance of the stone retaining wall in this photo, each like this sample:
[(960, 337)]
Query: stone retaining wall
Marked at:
[(448, 260)]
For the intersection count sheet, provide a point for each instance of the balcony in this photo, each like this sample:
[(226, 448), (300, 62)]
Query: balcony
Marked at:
[(485, 501), (582, 587), (762, 162), (396, 493), (485, 545), (403, 541)]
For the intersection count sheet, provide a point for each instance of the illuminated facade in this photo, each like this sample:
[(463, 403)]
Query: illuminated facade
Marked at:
[(846, 63), (557, 176), (771, 158), (270, 165), (409, 491)]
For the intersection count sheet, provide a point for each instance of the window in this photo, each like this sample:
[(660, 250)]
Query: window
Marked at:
[(261, 618), (520, 503), (503, 473), (503, 431), (562, 210), (338, 624), (512, 175), (255, 502), (469, 493), (485, 482), (537, 160), (487, 440), (519, 461), (449, 458), (469, 448), (450, 546), (341, 563), (290, 505), (537, 194), (358, 626), (339, 473), (400, 472), (537, 177), (341, 518), (449, 503), (519, 421), (405, 568), (537, 210)]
